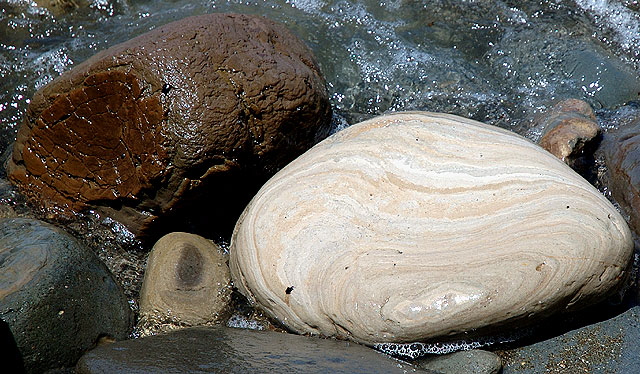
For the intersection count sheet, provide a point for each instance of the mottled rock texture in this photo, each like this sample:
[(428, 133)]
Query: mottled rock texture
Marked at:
[(212, 103), (608, 344), (56, 296), (570, 131), (422, 226), (186, 283), (621, 149)]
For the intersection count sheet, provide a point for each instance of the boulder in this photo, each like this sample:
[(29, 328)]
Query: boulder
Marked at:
[(205, 108), (56, 296), (186, 283), (426, 227), (570, 132), (229, 350), (621, 149), (605, 346)]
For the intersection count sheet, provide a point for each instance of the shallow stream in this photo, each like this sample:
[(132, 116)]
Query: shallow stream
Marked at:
[(499, 62)]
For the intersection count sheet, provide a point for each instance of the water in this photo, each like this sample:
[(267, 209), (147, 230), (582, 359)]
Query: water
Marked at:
[(500, 62)]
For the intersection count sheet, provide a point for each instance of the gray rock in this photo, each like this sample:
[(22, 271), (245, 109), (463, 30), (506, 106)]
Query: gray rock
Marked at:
[(228, 350), (609, 346), (475, 361), (56, 296)]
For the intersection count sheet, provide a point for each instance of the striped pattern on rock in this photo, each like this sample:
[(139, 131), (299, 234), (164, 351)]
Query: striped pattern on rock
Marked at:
[(419, 226)]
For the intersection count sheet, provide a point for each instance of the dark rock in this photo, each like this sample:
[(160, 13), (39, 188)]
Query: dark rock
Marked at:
[(205, 108), (228, 350), (570, 132), (56, 296), (11, 357), (475, 361), (609, 346), (621, 150)]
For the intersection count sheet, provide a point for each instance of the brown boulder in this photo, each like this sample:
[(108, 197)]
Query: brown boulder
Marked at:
[(621, 150), (211, 104), (570, 129)]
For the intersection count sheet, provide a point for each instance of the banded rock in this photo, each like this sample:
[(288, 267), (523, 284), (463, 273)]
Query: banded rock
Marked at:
[(422, 226), (196, 110)]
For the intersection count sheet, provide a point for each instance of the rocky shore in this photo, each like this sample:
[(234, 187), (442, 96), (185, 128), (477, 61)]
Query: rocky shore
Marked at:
[(414, 233)]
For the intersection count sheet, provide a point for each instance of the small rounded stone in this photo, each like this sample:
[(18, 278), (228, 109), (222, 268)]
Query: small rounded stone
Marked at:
[(570, 128), (187, 282)]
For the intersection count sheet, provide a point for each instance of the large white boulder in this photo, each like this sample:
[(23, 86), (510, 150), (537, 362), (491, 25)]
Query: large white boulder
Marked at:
[(418, 226)]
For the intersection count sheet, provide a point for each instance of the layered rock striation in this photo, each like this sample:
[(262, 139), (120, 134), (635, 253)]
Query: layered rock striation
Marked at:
[(422, 226)]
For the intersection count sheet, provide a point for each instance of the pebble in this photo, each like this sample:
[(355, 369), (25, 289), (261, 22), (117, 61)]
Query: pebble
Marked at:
[(186, 283), (571, 132)]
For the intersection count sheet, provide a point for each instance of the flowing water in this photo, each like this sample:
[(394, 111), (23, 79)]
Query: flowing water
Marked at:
[(500, 62)]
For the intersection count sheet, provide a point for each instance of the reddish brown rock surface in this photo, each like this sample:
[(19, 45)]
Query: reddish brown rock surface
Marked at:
[(570, 127), (621, 149), (195, 110)]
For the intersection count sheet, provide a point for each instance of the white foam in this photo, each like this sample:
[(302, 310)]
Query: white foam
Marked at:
[(618, 18), (241, 322)]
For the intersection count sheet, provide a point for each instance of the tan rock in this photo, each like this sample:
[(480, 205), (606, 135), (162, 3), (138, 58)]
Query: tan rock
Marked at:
[(186, 282), (569, 127), (423, 226)]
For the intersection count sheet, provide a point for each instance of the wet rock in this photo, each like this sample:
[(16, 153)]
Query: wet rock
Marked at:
[(607, 346), (621, 150), (570, 132), (424, 226), (203, 109), (228, 350), (469, 362), (56, 296), (11, 357), (186, 283), (60, 7)]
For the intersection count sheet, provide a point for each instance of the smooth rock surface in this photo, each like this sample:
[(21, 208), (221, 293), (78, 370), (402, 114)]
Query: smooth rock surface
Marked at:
[(205, 109), (422, 226), (570, 131), (475, 361), (621, 150), (186, 282), (228, 350), (56, 296)]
